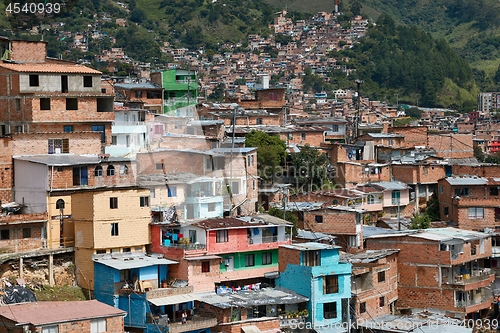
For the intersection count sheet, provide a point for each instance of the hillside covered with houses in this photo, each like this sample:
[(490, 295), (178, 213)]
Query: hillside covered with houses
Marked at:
[(173, 224)]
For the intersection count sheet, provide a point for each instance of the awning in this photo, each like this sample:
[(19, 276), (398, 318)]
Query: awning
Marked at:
[(203, 258), (176, 299), (250, 329)]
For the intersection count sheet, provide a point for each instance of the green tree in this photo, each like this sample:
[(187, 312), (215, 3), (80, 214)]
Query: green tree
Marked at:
[(355, 7), (478, 153), (271, 152), (289, 216), (138, 15), (310, 166), (217, 94), (420, 222)]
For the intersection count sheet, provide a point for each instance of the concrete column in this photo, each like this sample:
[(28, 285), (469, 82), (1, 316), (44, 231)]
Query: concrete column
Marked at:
[(427, 192), (51, 270), (21, 268), (416, 197)]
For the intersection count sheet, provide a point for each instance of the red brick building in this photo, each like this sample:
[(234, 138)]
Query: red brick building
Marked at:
[(71, 317), (374, 283), (442, 268), (470, 202)]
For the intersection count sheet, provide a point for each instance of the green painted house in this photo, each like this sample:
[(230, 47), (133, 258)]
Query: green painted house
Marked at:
[(180, 91)]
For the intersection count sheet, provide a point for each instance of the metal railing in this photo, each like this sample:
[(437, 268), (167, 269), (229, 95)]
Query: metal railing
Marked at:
[(190, 246)]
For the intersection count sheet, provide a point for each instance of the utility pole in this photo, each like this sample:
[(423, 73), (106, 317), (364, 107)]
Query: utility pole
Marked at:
[(356, 120)]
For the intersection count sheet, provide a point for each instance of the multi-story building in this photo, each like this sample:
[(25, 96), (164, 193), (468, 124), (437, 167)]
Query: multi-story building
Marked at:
[(47, 95), (217, 253), (109, 220), (471, 202), (44, 183), (313, 270), (129, 132), (374, 283), (180, 91), (87, 316), (441, 268)]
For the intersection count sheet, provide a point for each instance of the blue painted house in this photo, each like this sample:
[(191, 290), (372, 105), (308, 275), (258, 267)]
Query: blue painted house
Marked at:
[(313, 270), (137, 283)]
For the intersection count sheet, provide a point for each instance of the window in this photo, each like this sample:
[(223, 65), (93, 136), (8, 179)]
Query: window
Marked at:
[(114, 139), (123, 169), (60, 204), (335, 128), (267, 258), (476, 212), (127, 140), (100, 129), (221, 236), (249, 260), (446, 211), (362, 307), (152, 193), (50, 329), (144, 201), (381, 276), (311, 258), (258, 121), (126, 250), (441, 189), (80, 176), (159, 166), (235, 188), (34, 81), (158, 129), (71, 103), (138, 93), (113, 203), (318, 218), (68, 128), (64, 83), (44, 103), (330, 310), (494, 190), (396, 197), (58, 146), (114, 229), (211, 207), (172, 191), (370, 199), (4, 234), (331, 284), (98, 171), (110, 171), (464, 191), (18, 104), (381, 301), (87, 81), (273, 96), (205, 266), (26, 232), (302, 136)]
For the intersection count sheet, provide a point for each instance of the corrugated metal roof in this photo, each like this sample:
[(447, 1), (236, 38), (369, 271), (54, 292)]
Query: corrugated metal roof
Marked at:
[(129, 86), (44, 313), (176, 299), (203, 258), (250, 329), (124, 261), (394, 185), (50, 68), (454, 181), (311, 246), (250, 298), (59, 159)]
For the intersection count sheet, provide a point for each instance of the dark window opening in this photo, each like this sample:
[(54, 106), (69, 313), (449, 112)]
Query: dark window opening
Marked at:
[(330, 310), (331, 284), (113, 203), (34, 81), (26, 232), (114, 229), (71, 103), (44, 103), (4, 234), (205, 266), (87, 81), (64, 83)]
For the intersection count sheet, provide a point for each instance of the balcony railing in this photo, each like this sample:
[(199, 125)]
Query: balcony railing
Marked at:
[(193, 323), (190, 246), (474, 276), (268, 239)]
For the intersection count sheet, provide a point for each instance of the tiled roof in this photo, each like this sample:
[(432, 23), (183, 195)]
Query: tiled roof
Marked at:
[(43, 313), (49, 68)]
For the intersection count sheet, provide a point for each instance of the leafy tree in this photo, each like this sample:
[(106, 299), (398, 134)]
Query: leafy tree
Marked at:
[(271, 152), (217, 94), (310, 166), (289, 216), (355, 7), (478, 153), (414, 113), (420, 222), (138, 16)]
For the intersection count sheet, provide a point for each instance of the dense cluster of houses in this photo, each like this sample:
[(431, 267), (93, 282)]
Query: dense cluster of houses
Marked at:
[(161, 205)]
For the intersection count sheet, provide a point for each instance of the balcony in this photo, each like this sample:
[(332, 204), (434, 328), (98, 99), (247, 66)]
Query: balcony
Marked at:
[(486, 296), (473, 276), (186, 247), (269, 239)]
